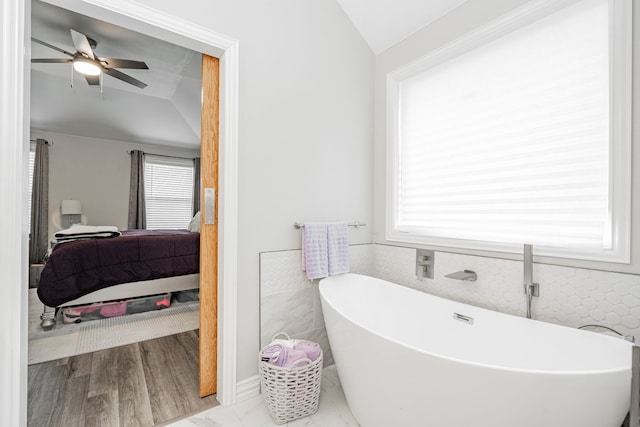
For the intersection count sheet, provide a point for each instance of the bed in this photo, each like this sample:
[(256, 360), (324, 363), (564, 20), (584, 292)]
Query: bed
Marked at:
[(136, 263)]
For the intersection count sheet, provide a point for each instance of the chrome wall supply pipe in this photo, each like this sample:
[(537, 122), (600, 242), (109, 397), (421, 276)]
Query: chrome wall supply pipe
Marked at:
[(629, 338)]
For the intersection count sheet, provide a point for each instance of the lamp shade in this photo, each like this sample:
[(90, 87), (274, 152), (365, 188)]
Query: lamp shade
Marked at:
[(70, 207)]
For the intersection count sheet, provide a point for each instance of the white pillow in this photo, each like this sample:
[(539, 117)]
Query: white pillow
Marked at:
[(194, 224)]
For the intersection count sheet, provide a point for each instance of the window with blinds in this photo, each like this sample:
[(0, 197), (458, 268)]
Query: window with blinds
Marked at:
[(168, 189), (32, 160), (518, 134)]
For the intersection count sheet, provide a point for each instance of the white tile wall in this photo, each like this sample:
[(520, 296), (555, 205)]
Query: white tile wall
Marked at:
[(290, 303), (568, 296)]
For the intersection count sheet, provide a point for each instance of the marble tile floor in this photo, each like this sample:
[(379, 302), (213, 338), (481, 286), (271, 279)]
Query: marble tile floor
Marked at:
[(332, 411)]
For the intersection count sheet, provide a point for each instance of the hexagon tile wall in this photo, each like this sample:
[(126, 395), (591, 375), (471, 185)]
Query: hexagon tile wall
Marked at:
[(568, 296)]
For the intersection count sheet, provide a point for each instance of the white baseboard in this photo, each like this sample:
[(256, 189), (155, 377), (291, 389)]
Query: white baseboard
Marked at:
[(246, 389)]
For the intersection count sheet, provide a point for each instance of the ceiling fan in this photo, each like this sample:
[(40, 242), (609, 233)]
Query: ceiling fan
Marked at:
[(92, 67)]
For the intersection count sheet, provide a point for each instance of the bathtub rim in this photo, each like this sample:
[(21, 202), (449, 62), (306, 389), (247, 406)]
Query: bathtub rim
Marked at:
[(475, 363)]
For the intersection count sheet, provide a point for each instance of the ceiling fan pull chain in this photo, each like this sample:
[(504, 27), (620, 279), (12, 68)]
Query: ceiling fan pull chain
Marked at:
[(72, 75)]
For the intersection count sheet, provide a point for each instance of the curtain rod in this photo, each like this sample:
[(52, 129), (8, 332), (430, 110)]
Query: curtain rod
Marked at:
[(164, 155), (45, 141)]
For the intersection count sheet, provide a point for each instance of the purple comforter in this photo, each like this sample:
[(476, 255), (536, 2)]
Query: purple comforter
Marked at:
[(78, 268)]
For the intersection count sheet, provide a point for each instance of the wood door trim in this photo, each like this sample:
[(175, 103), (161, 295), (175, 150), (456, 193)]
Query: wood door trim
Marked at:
[(209, 232)]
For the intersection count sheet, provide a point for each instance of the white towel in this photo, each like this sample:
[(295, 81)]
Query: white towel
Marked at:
[(315, 257), (338, 248), (81, 232), (325, 249)]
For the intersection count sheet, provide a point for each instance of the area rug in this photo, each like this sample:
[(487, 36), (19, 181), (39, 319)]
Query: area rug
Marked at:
[(66, 340)]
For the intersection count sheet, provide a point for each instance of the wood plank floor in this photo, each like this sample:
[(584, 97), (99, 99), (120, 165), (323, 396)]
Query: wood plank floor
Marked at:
[(141, 384)]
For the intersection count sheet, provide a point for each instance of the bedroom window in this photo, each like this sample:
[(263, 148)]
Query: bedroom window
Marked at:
[(32, 160), (518, 133), (168, 192)]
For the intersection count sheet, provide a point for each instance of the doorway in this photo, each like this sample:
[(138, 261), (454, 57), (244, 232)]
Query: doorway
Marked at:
[(155, 97), (15, 134)]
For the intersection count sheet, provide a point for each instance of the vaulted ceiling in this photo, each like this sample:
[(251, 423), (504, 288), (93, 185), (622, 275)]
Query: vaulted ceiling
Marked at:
[(167, 111), (384, 23)]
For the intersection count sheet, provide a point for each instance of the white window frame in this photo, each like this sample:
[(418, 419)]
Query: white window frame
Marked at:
[(620, 178)]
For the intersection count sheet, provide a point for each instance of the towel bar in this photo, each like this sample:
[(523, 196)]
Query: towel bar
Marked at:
[(354, 224)]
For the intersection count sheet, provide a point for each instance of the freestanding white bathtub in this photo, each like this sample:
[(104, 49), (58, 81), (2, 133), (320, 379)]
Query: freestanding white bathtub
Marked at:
[(409, 359)]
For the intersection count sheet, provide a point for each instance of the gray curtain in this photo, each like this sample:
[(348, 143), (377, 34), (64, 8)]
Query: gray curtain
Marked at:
[(137, 212), (196, 185), (38, 244)]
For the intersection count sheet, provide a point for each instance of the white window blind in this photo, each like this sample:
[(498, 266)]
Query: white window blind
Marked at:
[(511, 141), (32, 159), (168, 192)]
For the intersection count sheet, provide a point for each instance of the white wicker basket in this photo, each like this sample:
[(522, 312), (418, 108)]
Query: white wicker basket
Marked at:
[(293, 392)]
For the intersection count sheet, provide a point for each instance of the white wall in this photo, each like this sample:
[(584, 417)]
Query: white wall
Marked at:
[(305, 129), (96, 172), (468, 17)]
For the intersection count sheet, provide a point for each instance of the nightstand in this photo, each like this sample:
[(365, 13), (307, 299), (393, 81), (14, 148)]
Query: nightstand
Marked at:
[(34, 274)]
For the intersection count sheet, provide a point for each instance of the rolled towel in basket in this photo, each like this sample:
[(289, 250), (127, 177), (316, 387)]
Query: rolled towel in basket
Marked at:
[(271, 352), (280, 355), (292, 356), (310, 348), (286, 343)]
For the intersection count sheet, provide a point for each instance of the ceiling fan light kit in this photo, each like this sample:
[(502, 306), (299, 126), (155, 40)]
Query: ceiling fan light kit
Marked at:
[(92, 67), (86, 67)]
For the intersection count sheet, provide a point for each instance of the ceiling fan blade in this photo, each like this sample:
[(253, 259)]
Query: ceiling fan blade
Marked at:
[(123, 63), (52, 46), (50, 60), (81, 43), (124, 77), (92, 80)]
